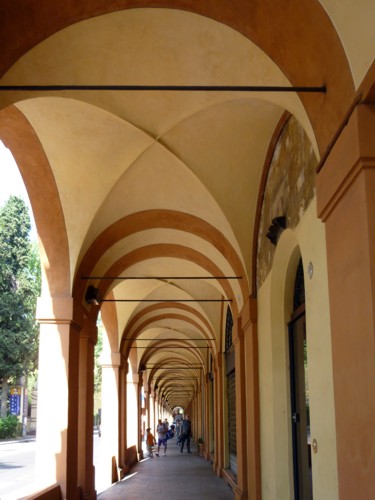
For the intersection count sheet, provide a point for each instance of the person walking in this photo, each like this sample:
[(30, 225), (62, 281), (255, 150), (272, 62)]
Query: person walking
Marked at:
[(150, 442), (185, 434), (178, 428), (162, 437)]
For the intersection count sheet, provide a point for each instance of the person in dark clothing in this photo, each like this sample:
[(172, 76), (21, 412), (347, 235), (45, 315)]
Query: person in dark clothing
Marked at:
[(185, 434)]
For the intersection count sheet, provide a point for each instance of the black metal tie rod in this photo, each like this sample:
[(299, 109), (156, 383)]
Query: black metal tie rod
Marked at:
[(163, 88), (161, 278), (166, 300)]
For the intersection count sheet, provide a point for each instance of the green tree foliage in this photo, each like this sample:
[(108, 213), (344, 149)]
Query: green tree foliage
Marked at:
[(10, 427), (97, 353), (20, 283)]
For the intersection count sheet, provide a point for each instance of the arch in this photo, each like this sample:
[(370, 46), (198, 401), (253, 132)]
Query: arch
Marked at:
[(157, 219), (18, 135), (169, 250)]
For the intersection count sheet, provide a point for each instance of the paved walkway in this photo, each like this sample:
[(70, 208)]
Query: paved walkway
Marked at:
[(178, 475)]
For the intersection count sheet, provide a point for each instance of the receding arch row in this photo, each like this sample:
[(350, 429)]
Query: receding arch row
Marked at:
[(153, 219), (160, 306), (125, 347), (174, 383), (166, 250)]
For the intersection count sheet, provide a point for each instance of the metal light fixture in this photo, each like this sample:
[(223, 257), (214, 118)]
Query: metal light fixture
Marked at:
[(276, 228), (92, 295)]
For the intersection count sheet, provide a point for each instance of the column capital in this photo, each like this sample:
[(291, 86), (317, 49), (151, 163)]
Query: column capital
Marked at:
[(59, 310), (111, 360), (132, 378)]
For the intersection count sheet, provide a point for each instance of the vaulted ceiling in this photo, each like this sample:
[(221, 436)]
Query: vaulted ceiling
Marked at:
[(164, 185)]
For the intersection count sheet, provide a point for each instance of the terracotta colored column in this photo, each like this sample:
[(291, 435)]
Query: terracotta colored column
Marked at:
[(57, 429), (141, 416), (123, 371), (132, 410), (241, 445), (250, 338), (206, 437), (86, 471), (346, 203), (219, 414), (147, 393), (153, 421), (109, 446)]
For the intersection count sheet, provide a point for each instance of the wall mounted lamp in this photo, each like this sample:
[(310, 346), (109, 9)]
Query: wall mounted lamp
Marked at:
[(276, 228), (92, 295)]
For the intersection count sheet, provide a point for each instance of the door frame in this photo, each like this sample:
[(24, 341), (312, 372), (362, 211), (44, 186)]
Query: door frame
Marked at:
[(299, 469)]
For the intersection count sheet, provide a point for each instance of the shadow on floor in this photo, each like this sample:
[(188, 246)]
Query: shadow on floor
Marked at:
[(177, 475)]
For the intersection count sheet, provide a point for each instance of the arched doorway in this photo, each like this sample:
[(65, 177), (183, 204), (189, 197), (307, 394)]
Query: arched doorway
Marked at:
[(299, 393)]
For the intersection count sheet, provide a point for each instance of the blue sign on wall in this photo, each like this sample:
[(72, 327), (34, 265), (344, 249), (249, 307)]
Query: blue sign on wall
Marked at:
[(15, 404), (15, 401)]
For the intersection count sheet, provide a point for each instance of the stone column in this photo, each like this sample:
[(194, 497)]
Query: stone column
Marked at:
[(250, 338), (241, 433), (132, 405), (123, 372), (219, 415), (208, 416), (142, 415), (157, 408), (57, 429), (86, 471), (152, 423), (346, 203), (109, 459), (147, 395)]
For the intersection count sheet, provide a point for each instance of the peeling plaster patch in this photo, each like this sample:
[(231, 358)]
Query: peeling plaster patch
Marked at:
[(289, 189)]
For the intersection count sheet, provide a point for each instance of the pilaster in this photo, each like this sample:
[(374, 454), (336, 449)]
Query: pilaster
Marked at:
[(241, 433), (219, 417), (346, 203), (248, 327), (86, 470)]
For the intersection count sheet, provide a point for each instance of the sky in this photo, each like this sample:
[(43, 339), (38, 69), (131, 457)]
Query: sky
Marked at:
[(11, 183)]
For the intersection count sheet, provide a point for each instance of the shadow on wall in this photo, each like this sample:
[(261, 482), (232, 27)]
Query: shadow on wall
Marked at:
[(50, 493), (131, 458)]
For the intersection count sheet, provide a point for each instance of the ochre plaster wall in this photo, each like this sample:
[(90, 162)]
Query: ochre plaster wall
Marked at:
[(274, 310), (346, 187)]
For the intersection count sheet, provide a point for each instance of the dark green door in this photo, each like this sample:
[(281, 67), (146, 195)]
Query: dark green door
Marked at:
[(300, 409)]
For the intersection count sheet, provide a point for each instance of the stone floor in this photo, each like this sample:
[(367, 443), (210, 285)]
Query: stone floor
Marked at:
[(181, 476)]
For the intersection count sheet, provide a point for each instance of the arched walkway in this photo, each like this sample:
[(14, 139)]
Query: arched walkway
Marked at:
[(160, 210), (178, 475)]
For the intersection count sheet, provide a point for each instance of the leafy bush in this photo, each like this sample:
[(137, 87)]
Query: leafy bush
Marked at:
[(10, 427)]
